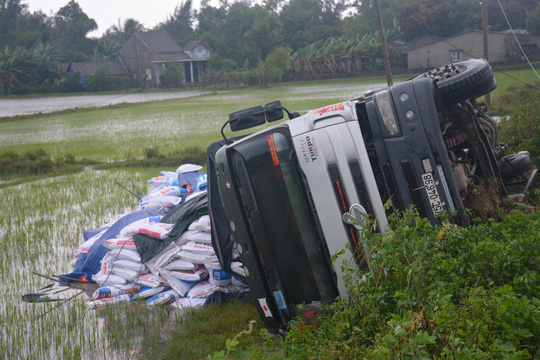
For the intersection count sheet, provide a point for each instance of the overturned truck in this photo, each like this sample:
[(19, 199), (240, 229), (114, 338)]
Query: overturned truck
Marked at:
[(290, 196)]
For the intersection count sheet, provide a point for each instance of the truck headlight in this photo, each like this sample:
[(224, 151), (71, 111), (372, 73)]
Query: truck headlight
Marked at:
[(384, 104)]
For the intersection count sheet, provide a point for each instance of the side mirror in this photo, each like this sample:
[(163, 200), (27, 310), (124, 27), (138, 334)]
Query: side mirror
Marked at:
[(274, 111), (247, 118)]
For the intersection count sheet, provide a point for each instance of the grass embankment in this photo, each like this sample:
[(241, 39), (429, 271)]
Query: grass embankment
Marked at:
[(44, 221)]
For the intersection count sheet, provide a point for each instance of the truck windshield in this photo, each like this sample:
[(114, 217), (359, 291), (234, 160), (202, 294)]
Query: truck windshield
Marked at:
[(294, 255)]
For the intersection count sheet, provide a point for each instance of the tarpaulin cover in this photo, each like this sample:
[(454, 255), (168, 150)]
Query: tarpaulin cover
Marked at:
[(182, 215), (226, 297), (88, 264)]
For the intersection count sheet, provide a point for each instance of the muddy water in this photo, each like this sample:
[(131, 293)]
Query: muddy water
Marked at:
[(14, 107)]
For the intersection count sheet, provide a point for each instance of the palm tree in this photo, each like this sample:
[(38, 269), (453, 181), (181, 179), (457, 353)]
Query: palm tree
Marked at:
[(17, 67)]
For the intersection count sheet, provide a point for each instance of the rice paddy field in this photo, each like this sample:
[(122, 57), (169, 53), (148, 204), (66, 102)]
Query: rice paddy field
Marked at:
[(42, 222)]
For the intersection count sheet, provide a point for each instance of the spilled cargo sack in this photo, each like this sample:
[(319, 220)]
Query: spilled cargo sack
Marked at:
[(197, 258), (217, 276), (147, 291), (150, 280), (198, 248), (111, 291), (180, 286), (182, 215), (109, 279), (109, 301), (200, 237), (120, 243), (125, 254), (180, 264), (133, 228), (132, 265), (203, 224), (190, 275), (202, 290), (186, 303), (163, 298)]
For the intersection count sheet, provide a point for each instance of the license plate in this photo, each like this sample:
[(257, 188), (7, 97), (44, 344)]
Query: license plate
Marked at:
[(432, 193)]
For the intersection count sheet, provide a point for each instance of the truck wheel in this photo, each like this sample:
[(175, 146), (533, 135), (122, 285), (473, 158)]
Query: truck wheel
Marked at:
[(514, 165), (462, 80)]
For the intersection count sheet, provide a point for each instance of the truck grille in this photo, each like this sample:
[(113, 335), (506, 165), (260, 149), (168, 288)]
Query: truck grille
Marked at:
[(343, 203), (392, 188), (413, 186), (361, 189)]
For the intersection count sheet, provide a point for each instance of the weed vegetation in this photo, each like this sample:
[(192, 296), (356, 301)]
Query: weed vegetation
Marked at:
[(434, 293), (442, 292), (521, 130)]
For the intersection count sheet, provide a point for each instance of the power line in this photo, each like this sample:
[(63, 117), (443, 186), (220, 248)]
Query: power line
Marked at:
[(517, 41), (498, 70)]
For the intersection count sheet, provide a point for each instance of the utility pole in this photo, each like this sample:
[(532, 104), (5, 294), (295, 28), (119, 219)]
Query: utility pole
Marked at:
[(383, 43), (487, 98)]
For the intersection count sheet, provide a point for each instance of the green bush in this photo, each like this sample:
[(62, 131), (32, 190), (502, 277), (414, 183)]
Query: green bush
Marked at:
[(521, 131), (445, 292), (173, 75)]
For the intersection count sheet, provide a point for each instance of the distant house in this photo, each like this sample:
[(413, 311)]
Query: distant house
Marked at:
[(148, 53), (430, 51), (90, 68)]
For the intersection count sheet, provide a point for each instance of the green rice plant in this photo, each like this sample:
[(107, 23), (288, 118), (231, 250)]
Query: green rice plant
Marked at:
[(40, 227)]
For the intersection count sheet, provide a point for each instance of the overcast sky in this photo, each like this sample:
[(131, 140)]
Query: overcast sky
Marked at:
[(107, 12)]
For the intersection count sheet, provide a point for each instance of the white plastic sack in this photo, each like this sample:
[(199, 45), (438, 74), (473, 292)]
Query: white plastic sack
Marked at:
[(136, 226), (160, 205), (185, 168), (184, 238), (202, 290), (147, 291), (204, 223), (163, 257), (217, 276), (165, 191), (157, 230), (180, 264), (181, 287), (132, 265), (150, 280), (190, 275), (84, 247), (109, 279), (197, 258), (111, 291), (120, 243), (127, 274), (202, 182), (195, 194), (163, 298), (170, 174), (186, 303), (163, 180), (124, 254), (108, 301), (198, 248), (201, 237)]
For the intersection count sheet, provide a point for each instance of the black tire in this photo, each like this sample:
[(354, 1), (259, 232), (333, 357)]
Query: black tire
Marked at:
[(514, 165), (463, 80)]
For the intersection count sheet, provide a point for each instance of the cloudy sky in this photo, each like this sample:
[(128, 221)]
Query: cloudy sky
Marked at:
[(107, 12)]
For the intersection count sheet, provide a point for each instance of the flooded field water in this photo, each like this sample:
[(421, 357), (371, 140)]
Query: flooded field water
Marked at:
[(42, 222), (14, 107), (41, 225)]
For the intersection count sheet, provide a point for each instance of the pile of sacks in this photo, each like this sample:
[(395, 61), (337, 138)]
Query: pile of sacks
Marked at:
[(184, 273)]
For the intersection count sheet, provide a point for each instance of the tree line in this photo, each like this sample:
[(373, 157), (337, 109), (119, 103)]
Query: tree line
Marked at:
[(251, 42)]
